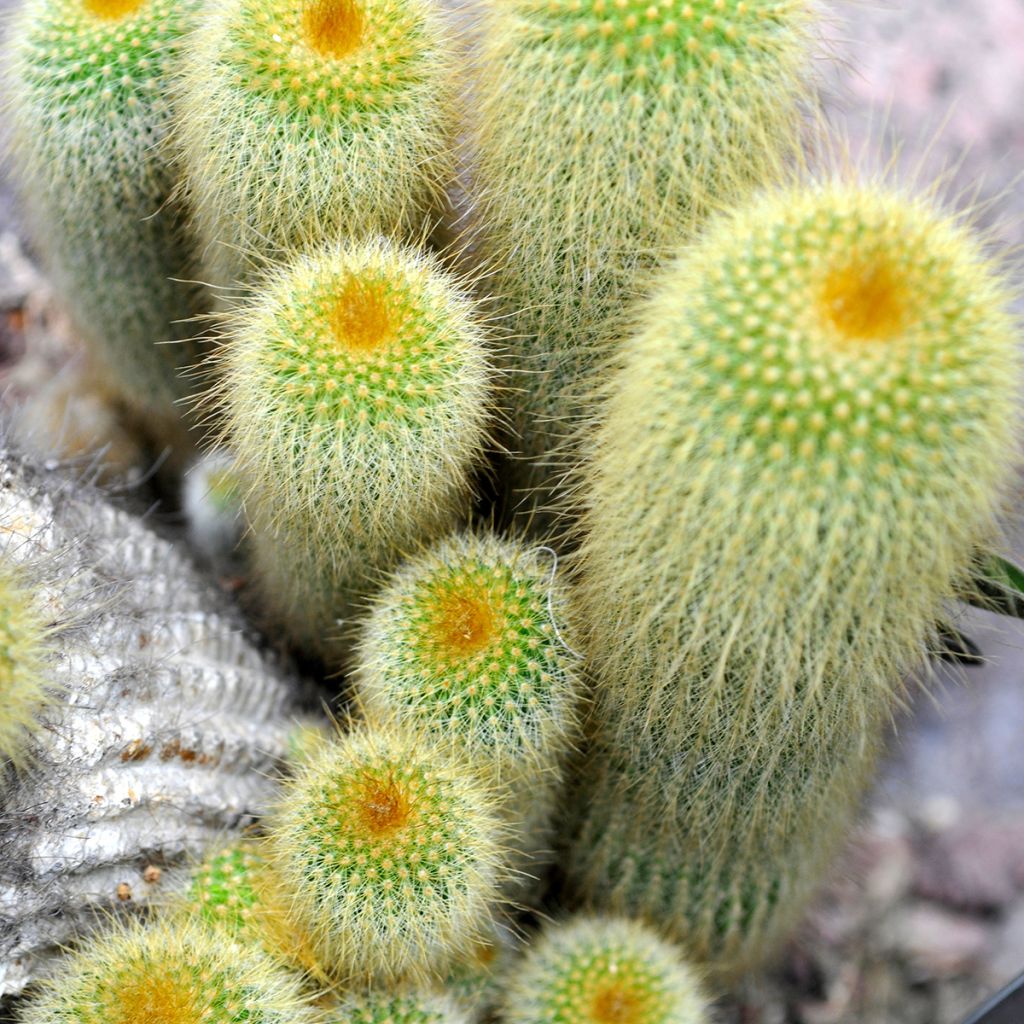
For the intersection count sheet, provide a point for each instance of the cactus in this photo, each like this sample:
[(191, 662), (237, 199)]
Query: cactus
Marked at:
[(303, 122), (355, 381), (86, 85), (407, 1007), (476, 982), (465, 643), (25, 648), (164, 730), (807, 440), (391, 850), (606, 131), (168, 974), (212, 502), (602, 970)]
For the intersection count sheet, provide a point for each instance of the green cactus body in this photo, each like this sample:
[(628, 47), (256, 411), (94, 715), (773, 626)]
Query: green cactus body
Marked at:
[(476, 982), (86, 83), (392, 851), (807, 440), (299, 122), (355, 396), (397, 1008), (24, 651), (606, 131), (168, 974), (602, 970), (465, 643)]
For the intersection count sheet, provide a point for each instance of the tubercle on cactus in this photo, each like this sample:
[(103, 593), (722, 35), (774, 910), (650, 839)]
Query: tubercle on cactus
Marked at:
[(168, 974), (816, 424), (357, 378), (393, 851), (301, 122), (26, 644), (85, 91), (603, 970)]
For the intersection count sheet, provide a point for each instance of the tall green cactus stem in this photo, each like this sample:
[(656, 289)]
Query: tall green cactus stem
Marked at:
[(411, 1007), (807, 440), (299, 122), (355, 392), (466, 644), (24, 651), (235, 890), (86, 83), (392, 851), (606, 130), (168, 974), (602, 970)]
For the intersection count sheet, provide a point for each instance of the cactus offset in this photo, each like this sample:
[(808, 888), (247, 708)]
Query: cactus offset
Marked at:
[(86, 86), (301, 122), (465, 644), (602, 970), (808, 439), (607, 130), (391, 849), (168, 974), (355, 384)]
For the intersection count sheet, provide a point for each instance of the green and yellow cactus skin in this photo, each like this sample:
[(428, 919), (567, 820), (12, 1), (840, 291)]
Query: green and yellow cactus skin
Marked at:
[(466, 644), (24, 650), (355, 396), (606, 131), (409, 1007), (805, 444), (602, 970), (168, 974), (301, 122), (392, 851), (86, 91)]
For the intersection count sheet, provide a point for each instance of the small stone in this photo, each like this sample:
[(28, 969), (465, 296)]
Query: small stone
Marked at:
[(939, 943)]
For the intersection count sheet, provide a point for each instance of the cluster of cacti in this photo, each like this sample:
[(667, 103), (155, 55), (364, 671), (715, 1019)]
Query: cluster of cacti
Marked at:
[(777, 413)]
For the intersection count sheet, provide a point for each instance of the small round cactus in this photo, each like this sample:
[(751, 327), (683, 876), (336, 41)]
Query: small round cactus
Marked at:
[(171, 974), (392, 851), (406, 1007), (24, 650), (86, 81), (304, 121), (212, 500), (355, 395), (606, 130), (808, 440), (602, 970), (466, 644)]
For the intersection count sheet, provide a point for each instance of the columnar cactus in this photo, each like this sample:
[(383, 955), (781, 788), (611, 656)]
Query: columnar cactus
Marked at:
[(86, 84), (171, 974), (302, 122), (809, 437), (391, 849), (466, 644), (164, 729), (602, 970), (605, 131), (355, 395)]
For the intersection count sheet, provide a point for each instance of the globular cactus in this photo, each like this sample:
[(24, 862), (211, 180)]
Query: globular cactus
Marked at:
[(212, 502), (235, 890), (392, 852), (26, 641), (466, 644), (300, 122), (355, 395), (603, 970), (86, 95), (605, 131), (164, 728), (398, 1007), (808, 439), (168, 974)]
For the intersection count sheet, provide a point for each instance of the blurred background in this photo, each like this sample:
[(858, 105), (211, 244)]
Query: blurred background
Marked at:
[(925, 915)]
